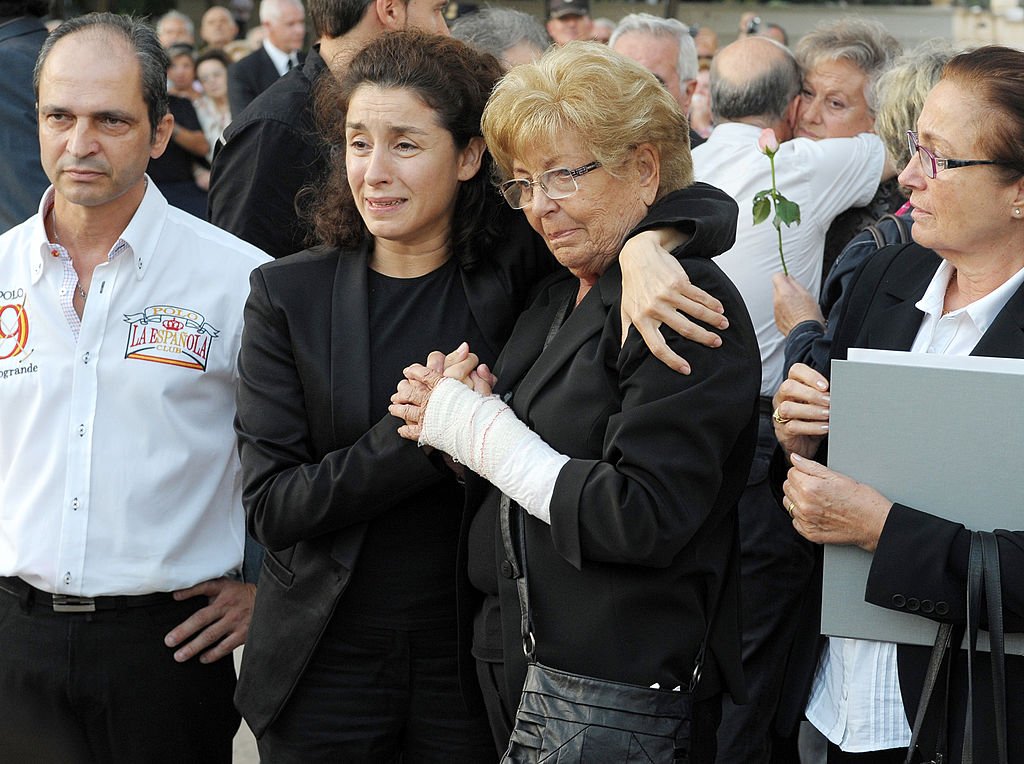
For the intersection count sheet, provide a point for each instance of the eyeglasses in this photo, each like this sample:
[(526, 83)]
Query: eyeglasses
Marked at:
[(932, 165), (556, 184)]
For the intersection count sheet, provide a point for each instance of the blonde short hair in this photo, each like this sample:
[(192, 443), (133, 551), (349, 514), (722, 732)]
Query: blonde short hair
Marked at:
[(609, 102), (901, 93)]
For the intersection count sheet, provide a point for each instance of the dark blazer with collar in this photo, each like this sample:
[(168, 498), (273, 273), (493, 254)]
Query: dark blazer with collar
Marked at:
[(20, 41), (315, 467), (270, 151), (920, 556), (642, 543), (249, 77)]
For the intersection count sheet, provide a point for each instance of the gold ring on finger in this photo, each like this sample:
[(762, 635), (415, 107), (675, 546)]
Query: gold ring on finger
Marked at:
[(779, 419)]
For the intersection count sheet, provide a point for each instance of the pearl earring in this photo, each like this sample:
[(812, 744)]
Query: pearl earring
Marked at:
[(1016, 211)]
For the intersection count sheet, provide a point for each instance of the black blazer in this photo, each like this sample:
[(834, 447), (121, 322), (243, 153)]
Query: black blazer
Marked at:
[(270, 151), (315, 467), (249, 77), (643, 540), (919, 556)]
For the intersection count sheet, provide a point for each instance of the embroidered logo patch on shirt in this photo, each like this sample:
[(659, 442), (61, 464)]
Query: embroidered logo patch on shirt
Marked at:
[(172, 335), (13, 323)]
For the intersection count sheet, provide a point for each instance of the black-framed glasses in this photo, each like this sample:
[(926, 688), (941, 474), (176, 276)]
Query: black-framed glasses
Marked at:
[(932, 165), (558, 183)]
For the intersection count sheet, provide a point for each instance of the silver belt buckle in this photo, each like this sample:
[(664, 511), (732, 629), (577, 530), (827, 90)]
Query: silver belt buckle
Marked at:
[(65, 603)]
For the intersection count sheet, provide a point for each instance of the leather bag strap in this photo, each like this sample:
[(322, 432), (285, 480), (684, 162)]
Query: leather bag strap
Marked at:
[(505, 520), (983, 580), (975, 583), (518, 572), (994, 607), (942, 640)]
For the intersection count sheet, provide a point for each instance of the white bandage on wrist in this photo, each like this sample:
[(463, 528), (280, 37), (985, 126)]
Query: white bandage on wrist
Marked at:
[(485, 435)]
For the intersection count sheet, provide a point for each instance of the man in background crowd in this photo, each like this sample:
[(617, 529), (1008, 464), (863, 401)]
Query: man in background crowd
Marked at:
[(21, 36), (665, 48), (511, 36), (569, 20), (175, 28), (602, 31), (284, 26), (217, 27)]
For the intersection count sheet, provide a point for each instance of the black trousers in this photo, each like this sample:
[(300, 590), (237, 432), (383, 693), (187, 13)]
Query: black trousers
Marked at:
[(889, 756), (379, 695), (102, 687), (775, 568)]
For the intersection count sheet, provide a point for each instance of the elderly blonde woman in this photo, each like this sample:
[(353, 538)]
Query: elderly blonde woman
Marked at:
[(626, 475), (957, 290)]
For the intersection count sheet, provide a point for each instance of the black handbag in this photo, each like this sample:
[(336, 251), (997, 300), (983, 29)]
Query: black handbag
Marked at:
[(565, 717), (982, 576)]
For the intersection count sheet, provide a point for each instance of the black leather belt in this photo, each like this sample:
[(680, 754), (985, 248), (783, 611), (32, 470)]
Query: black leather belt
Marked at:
[(69, 603)]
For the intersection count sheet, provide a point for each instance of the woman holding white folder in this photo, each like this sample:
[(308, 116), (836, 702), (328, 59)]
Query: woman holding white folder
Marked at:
[(958, 290)]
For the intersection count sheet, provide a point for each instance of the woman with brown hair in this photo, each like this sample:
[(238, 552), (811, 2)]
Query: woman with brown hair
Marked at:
[(354, 653)]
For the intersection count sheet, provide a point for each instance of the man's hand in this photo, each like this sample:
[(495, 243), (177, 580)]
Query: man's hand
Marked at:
[(215, 630)]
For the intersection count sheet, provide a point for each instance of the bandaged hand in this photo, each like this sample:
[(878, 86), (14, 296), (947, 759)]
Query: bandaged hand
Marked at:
[(483, 433)]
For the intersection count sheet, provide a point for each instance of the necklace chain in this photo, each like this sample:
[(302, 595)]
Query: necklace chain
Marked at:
[(56, 239)]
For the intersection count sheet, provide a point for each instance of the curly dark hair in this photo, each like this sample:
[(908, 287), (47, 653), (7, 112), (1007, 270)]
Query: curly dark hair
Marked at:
[(451, 78)]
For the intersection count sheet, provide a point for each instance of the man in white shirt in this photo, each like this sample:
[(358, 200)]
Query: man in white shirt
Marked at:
[(121, 526), (755, 84), (284, 26)]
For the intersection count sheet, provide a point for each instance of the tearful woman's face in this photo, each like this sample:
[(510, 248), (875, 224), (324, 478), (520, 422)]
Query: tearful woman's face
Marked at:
[(403, 167), (586, 230)]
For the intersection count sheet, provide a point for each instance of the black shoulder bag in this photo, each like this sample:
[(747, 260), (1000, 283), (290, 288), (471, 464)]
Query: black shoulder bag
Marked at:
[(570, 717), (982, 576)]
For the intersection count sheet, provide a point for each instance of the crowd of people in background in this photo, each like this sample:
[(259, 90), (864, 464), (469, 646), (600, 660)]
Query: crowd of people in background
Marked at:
[(325, 171)]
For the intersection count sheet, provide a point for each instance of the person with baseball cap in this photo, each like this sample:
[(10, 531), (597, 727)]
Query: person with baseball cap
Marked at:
[(569, 20)]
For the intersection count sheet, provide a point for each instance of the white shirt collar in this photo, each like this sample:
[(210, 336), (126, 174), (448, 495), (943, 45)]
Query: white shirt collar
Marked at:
[(279, 58), (982, 311), (141, 235)]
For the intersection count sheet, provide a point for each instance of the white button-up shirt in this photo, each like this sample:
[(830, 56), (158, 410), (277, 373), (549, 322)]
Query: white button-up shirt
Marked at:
[(824, 177), (281, 60), (855, 699), (118, 469)]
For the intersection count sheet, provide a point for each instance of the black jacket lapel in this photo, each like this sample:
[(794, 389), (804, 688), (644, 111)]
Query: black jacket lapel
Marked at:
[(896, 324), (350, 348), (1005, 337), (585, 321)]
